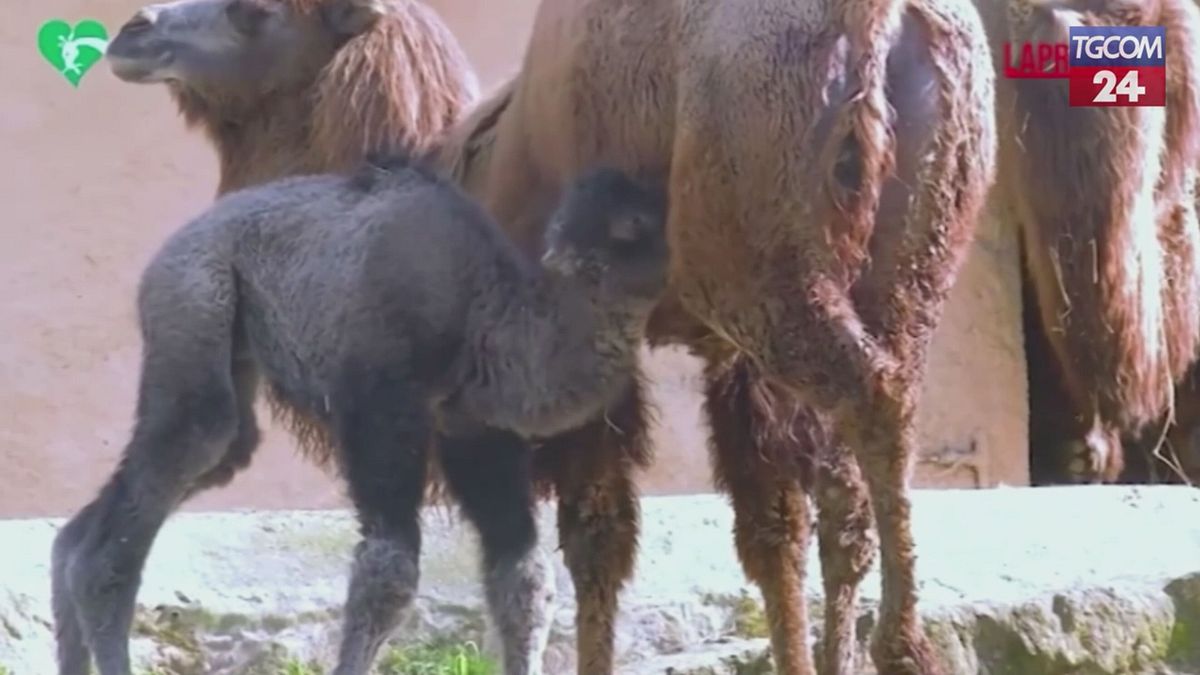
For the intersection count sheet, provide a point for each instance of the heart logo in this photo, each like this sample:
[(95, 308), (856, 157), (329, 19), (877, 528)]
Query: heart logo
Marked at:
[(72, 50)]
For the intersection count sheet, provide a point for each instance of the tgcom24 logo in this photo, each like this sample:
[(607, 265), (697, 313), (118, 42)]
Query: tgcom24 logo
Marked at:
[(1121, 66)]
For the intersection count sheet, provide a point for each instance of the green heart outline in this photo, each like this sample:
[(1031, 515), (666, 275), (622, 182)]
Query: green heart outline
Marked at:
[(88, 39)]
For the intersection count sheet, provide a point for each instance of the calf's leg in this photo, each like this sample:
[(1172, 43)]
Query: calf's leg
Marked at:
[(383, 431), (187, 421), (191, 395), (490, 475), (847, 548)]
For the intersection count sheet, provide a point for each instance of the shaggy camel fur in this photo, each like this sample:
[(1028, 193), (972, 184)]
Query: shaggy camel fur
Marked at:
[(416, 319), (826, 163), (1105, 202), (816, 249)]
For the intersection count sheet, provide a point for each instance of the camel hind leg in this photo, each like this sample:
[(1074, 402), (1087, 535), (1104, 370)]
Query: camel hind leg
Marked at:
[(766, 276), (880, 335), (187, 418), (490, 476), (241, 450), (847, 548)]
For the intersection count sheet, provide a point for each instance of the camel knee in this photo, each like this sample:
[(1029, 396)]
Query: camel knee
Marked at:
[(845, 537), (598, 509), (769, 532), (520, 595), (763, 442), (383, 583), (235, 460), (824, 355), (63, 554), (599, 542)]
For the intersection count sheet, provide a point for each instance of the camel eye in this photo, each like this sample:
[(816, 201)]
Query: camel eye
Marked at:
[(247, 16)]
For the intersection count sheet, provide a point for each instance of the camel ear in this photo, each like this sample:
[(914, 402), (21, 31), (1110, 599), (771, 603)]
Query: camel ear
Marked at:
[(350, 18)]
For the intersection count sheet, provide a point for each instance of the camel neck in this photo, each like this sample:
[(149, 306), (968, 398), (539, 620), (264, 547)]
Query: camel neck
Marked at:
[(546, 357), (256, 146)]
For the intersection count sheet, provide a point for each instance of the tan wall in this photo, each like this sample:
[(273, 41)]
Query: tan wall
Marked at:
[(96, 177)]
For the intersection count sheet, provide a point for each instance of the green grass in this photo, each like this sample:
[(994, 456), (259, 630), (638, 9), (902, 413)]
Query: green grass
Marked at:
[(441, 659), (297, 667), (462, 659)]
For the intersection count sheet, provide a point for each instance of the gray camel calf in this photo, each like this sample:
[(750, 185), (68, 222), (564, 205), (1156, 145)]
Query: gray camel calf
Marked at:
[(387, 315)]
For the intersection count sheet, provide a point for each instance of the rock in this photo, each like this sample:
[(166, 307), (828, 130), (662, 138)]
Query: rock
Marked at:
[(1029, 581)]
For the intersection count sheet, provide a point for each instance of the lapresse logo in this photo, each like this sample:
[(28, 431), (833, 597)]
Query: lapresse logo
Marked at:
[(1118, 65), (1104, 65)]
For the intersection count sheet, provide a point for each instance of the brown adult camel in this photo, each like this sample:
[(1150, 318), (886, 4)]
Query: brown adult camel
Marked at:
[(1105, 202), (826, 163)]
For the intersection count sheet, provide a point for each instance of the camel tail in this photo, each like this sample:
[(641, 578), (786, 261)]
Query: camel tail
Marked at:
[(864, 130)]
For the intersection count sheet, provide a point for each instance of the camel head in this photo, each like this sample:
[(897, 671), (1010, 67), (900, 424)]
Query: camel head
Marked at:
[(611, 232), (226, 45)]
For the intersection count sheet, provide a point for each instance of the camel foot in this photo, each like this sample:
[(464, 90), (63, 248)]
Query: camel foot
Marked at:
[(1091, 459), (904, 654)]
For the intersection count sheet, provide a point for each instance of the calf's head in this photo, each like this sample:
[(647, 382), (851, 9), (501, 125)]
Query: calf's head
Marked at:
[(610, 231)]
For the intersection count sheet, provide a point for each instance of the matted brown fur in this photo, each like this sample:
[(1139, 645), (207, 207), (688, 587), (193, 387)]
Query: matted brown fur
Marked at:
[(1104, 200), (397, 86)]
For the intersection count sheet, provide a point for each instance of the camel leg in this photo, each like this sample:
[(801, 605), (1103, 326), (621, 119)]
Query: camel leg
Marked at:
[(383, 431), (241, 450), (870, 397), (188, 419), (885, 448), (847, 548), (598, 515), (491, 478), (762, 465)]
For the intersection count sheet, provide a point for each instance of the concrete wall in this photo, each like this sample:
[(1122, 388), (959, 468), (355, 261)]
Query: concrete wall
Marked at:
[(97, 176)]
